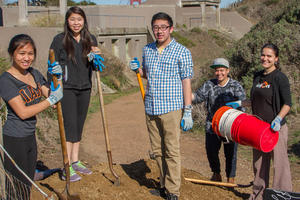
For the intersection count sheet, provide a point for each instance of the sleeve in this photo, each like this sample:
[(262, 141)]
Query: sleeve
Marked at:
[(186, 65), (284, 90), (240, 92), (39, 77), (202, 93), (8, 89), (94, 41)]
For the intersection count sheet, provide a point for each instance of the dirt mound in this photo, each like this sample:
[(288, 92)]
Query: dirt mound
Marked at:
[(137, 179)]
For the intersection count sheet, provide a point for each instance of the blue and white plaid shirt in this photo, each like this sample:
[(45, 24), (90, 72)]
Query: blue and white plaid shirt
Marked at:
[(165, 72)]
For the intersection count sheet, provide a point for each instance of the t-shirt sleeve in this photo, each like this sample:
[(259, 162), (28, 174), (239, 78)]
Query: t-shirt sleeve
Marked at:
[(39, 77), (8, 89), (284, 90), (240, 92)]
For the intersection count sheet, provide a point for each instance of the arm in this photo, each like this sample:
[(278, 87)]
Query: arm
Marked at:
[(25, 112), (187, 91), (284, 111)]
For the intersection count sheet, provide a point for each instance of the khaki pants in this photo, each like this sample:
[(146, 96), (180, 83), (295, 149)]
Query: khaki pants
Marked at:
[(261, 164), (164, 133)]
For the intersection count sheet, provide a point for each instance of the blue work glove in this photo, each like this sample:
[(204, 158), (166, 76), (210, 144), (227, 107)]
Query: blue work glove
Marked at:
[(55, 69), (234, 104), (275, 125), (55, 95), (97, 61), (187, 121), (134, 64)]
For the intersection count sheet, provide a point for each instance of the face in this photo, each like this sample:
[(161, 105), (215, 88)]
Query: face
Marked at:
[(221, 73), (23, 57), (268, 59), (75, 23), (162, 31)]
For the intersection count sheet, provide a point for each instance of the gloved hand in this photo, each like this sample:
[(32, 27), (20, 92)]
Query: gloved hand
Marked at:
[(134, 64), (97, 61), (234, 104), (187, 121), (275, 125), (55, 69), (55, 95)]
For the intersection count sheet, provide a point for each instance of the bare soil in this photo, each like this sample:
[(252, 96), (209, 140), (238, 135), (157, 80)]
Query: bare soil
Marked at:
[(130, 151)]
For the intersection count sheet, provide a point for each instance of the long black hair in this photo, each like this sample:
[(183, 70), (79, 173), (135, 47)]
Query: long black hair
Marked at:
[(276, 52), (85, 35)]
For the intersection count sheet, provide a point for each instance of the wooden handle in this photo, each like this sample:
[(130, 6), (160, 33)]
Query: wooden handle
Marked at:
[(211, 182), (61, 123), (138, 75)]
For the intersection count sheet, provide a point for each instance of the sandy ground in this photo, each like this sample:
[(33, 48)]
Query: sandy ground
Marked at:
[(130, 151)]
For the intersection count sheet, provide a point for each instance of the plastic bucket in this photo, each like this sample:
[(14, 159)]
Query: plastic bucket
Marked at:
[(251, 131), (244, 129), (216, 118)]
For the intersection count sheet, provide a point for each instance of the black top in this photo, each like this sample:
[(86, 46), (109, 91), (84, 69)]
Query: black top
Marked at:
[(12, 87), (78, 74), (272, 94)]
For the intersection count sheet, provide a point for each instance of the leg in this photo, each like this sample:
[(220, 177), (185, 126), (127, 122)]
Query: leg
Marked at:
[(213, 145), (282, 175), (171, 132), (230, 151), (261, 167), (83, 101), (69, 109), (155, 135)]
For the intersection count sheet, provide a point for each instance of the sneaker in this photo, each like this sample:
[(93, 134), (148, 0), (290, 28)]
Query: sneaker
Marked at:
[(216, 177), (79, 167), (73, 176), (171, 196)]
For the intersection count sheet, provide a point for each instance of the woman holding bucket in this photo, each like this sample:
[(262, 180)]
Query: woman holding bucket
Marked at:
[(271, 101), (216, 93), (75, 49)]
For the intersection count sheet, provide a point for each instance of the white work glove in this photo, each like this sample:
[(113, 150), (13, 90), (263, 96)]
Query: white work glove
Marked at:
[(187, 121), (134, 64), (234, 104), (275, 125), (56, 94)]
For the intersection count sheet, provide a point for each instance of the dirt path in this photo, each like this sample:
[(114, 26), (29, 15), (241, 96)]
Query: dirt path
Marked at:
[(130, 146)]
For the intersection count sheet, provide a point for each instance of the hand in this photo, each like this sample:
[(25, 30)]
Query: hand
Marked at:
[(55, 95), (187, 121), (134, 64), (97, 61), (55, 69), (275, 125), (234, 104)]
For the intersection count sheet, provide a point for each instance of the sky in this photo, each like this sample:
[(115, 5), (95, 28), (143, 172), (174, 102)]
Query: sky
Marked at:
[(224, 3)]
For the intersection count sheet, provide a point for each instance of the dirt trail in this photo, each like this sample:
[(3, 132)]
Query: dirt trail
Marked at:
[(130, 146)]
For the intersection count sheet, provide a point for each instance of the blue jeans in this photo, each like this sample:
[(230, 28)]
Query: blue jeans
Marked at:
[(213, 144)]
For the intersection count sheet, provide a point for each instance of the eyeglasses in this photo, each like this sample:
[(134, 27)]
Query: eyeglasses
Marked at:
[(162, 28)]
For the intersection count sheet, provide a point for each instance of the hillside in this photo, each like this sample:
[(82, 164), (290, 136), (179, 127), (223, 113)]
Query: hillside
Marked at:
[(281, 27)]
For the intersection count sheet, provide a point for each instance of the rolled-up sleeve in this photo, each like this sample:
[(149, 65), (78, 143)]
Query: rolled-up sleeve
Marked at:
[(186, 65)]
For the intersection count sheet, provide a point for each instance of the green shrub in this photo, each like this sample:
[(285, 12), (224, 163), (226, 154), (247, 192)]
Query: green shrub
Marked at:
[(270, 2), (183, 40)]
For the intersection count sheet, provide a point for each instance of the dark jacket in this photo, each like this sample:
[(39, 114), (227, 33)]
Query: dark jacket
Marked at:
[(78, 75)]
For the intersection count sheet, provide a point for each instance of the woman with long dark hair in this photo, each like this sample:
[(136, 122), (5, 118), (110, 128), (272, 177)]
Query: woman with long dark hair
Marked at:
[(72, 50), (271, 101), (22, 88)]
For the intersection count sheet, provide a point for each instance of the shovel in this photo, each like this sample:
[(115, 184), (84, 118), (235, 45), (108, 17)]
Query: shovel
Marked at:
[(63, 140), (138, 76), (104, 122), (217, 183)]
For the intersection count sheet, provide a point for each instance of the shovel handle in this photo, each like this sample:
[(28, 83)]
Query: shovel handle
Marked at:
[(138, 76), (211, 182), (61, 123)]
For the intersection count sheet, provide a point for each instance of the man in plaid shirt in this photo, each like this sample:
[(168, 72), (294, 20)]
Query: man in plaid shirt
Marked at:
[(168, 68)]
